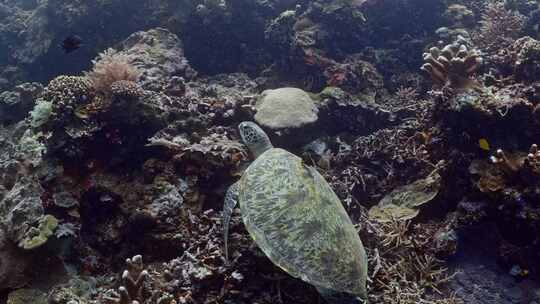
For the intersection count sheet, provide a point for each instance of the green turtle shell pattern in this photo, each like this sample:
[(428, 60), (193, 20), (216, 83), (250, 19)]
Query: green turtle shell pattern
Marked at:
[(299, 223)]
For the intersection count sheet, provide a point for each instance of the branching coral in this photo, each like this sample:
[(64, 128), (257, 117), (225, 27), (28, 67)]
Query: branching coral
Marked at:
[(135, 287), (514, 162), (110, 67), (504, 167), (452, 66), (404, 259), (509, 163), (533, 159), (499, 27)]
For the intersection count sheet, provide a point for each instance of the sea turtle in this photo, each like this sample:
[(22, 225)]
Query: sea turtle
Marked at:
[(297, 220)]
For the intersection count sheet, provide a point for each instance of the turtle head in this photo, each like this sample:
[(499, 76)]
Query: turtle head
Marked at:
[(254, 137)]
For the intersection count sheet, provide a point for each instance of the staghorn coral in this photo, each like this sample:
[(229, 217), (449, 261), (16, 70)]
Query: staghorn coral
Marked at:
[(499, 27), (452, 66), (109, 67), (405, 260)]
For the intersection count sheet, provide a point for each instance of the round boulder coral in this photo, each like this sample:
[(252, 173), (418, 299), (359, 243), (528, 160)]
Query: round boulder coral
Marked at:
[(287, 111), (285, 108)]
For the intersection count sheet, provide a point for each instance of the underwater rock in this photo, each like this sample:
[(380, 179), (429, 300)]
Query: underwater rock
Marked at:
[(29, 150), (341, 111), (159, 54), (77, 291), (289, 113), (525, 53), (459, 15), (21, 210), (452, 34), (500, 112), (15, 104), (281, 30), (167, 203), (14, 265), (404, 202), (35, 39), (356, 77), (11, 75)]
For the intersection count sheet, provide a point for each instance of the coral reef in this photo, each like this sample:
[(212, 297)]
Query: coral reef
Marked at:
[(16, 103), (125, 147), (499, 27)]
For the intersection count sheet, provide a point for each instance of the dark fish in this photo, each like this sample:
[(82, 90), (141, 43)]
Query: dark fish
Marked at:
[(71, 43)]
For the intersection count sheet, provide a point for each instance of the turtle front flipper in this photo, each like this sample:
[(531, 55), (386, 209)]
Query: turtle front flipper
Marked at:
[(231, 199), (334, 297)]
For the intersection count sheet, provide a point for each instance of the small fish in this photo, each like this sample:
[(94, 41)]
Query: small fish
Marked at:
[(483, 144), (71, 43)]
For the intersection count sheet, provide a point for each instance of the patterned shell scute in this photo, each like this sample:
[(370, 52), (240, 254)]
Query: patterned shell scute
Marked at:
[(299, 223)]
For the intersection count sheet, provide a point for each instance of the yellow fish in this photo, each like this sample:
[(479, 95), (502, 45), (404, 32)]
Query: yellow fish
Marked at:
[(483, 144)]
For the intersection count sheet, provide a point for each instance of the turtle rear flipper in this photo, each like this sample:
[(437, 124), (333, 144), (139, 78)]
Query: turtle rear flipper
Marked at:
[(231, 199), (334, 297)]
